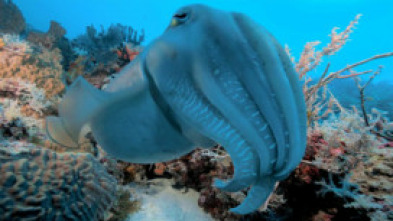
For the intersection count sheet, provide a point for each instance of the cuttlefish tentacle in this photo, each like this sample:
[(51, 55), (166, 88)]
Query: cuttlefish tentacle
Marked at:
[(244, 91), (295, 154), (232, 99), (212, 91), (256, 196), (289, 155), (223, 87), (197, 111), (262, 94)]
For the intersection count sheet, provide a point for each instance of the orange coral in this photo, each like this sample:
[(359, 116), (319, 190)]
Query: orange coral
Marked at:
[(41, 68), (159, 169), (2, 44), (127, 53)]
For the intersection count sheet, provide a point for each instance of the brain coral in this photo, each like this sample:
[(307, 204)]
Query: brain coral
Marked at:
[(38, 184)]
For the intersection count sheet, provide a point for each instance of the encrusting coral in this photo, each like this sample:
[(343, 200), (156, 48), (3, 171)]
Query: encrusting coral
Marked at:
[(41, 67), (38, 184), (374, 177), (31, 100)]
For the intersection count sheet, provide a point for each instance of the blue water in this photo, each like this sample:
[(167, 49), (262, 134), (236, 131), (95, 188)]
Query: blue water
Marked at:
[(293, 22)]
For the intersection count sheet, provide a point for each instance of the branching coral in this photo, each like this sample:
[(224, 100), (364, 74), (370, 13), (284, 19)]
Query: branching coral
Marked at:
[(115, 35), (39, 184), (348, 142), (310, 59), (101, 48), (378, 94), (345, 147), (320, 102)]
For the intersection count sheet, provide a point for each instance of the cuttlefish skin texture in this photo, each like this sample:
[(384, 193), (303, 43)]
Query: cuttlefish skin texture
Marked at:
[(211, 77)]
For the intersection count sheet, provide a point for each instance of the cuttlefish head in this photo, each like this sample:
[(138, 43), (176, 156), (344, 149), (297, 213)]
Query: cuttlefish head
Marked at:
[(211, 77)]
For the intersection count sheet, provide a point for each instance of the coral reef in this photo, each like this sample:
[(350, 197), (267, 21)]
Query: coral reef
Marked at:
[(346, 173), (11, 18), (13, 129), (344, 160), (40, 67), (342, 145), (375, 179), (31, 100), (15, 125), (54, 38), (105, 52), (93, 41), (39, 184), (319, 99), (123, 206), (379, 95), (197, 170), (48, 39)]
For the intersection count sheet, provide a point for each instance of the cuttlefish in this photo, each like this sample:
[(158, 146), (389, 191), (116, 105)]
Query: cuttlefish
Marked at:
[(213, 77)]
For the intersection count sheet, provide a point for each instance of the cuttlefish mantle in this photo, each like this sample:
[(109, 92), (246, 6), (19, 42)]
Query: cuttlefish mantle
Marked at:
[(211, 77)]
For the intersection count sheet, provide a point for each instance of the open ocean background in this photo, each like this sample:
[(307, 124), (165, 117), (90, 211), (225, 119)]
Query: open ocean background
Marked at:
[(293, 22)]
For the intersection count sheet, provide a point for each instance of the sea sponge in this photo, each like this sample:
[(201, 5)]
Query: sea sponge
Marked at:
[(39, 184)]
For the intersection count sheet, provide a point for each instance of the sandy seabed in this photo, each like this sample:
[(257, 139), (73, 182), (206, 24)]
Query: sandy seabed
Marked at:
[(161, 202)]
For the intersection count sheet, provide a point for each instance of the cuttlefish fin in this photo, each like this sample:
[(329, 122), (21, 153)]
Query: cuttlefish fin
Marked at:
[(57, 132), (82, 102), (79, 103)]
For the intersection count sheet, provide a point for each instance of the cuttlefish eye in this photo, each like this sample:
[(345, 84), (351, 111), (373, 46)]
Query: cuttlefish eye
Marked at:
[(179, 18)]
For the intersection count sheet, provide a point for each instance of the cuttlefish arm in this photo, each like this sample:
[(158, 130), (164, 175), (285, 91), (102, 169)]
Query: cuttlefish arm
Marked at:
[(237, 87), (83, 101)]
